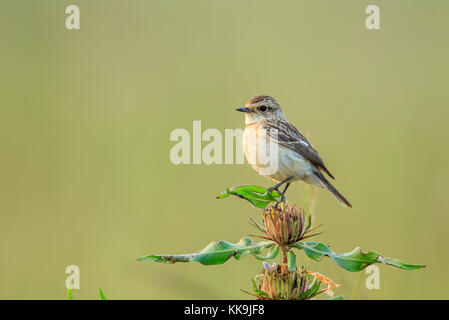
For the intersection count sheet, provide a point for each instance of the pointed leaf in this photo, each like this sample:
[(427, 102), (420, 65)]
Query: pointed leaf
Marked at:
[(102, 296), (258, 196), (291, 261), (257, 291), (218, 252), (311, 291), (309, 221), (353, 261), (273, 253)]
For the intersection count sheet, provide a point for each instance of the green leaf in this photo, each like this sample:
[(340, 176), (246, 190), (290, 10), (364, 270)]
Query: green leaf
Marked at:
[(257, 291), (102, 296), (69, 294), (255, 287), (312, 290), (354, 260), (309, 221), (219, 252), (273, 253), (336, 298), (317, 287), (291, 261), (258, 196)]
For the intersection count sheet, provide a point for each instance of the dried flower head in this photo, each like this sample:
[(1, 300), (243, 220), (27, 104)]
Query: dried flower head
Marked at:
[(277, 283), (286, 225)]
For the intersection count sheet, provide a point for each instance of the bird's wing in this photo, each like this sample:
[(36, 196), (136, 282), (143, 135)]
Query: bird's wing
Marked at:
[(288, 136)]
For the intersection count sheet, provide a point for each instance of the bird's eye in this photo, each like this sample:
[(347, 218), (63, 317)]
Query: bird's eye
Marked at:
[(263, 108)]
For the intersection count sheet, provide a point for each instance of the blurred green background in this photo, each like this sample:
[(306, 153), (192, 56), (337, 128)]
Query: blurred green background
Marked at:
[(86, 115)]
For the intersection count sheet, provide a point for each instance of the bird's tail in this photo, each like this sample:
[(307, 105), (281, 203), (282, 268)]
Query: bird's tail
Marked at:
[(334, 191)]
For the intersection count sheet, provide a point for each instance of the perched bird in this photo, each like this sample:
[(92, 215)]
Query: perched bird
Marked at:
[(296, 158)]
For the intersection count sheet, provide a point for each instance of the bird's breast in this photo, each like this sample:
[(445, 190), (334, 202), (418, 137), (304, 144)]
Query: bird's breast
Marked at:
[(271, 159)]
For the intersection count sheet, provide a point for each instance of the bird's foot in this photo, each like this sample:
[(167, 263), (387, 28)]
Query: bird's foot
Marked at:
[(275, 188), (282, 193)]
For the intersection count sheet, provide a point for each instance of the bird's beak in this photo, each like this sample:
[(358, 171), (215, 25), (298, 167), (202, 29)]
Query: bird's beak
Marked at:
[(243, 109)]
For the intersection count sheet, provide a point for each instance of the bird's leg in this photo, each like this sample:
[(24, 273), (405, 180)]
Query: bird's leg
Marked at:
[(284, 191), (276, 187), (286, 187)]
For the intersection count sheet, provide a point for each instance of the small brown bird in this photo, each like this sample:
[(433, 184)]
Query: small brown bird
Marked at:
[(295, 157)]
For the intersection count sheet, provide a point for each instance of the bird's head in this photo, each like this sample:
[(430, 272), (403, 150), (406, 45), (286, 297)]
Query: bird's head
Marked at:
[(261, 108)]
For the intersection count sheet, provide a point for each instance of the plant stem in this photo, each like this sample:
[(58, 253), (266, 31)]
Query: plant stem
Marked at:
[(284, 256)]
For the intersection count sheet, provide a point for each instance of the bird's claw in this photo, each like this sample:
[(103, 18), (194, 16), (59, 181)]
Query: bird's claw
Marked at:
[(270, 190)]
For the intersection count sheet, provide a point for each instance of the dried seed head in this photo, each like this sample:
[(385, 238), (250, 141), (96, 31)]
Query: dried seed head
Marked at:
[(286, 225), (276, 283)]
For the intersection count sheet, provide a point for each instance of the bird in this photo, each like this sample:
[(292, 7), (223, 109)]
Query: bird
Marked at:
[(297, 160)]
